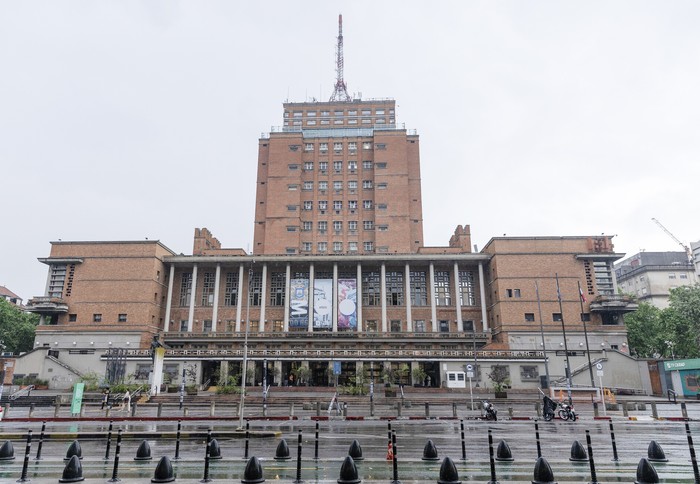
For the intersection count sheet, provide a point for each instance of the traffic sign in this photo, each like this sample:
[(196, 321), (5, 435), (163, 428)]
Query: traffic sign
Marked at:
[(599, 366), (470, 368)]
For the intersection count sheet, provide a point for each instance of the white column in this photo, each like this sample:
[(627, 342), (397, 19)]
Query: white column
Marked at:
[(382, 294), (239, 299), (263, 298), (359, 297), (482, 295), (169, 299), (433, 308), (193, 295), (334, 305), (287, 295), (458, 303), (311, 297), (215, 310), (407, 297)]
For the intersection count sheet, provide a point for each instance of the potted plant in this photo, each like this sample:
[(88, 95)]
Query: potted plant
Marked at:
[(302, 374), (418, 375), (501, 380)]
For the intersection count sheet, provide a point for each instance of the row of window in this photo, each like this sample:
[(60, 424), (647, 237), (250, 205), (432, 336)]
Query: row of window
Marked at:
[(327, 121), (338, 112), (338, 205), (556, 317), (307, 226), (371, 287), (337, 246), (337, 185), (338, 166), (97, 318)]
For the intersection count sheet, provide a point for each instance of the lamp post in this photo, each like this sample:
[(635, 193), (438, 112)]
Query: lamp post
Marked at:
[(566, 347), (245, 349), (585, 334), (544, 347)]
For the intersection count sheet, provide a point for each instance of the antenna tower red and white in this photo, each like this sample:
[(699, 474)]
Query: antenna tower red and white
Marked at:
[(340, 93)]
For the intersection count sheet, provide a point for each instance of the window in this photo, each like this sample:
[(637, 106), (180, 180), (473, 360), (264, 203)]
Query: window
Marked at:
[(208, 289), (308, 166), (371, 325), (338, 166), (467, 295), (337, 185), (72, 318), (322, 226), (585, 317), (292, 187), (352, 165), (255, 296), (323, 204), (337, 205), (338, 146), (683, 276), (352, 204), (352, 146), (206, 326), (308, 185), (97, 318), (352, 225), (367, 164), (603, 277), (352, 185), (352, 246), (371, 289), (308, 205), (419, 325), (306, 226), (290, 250), (323, 186), (556, 317), (311, 114), (444, 326), (395, 325), (380, 146), (185, 288), (183, 325), (323, 147), (442, 288), (529, 373), (231, 289), (366, 145), (322, 246), (368, 246), (468, 326), (381, 206), (380, 165), (323, 166), (337, 225), (367, 184), (671, 275), (142, 371), (513, 293), (291, 208), (529, 317), (297, 114), (121, 318), (294, 147), (382, 186), (394, 288), (419, 288), (379, 112), (277, 288), (306, 246), (309, 147), (368, 225), (382, 228), (57, 279), (337, 246), (293, 167), (367, 204)]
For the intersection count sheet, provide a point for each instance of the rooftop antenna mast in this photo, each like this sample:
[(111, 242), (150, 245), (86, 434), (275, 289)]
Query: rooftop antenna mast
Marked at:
[(340, 93)]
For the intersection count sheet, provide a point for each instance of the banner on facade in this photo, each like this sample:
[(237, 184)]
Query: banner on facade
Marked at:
[(347, 304), (323, 303), (299, 303)]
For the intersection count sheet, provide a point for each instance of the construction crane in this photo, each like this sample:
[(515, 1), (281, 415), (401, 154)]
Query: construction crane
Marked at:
[(688, 252)]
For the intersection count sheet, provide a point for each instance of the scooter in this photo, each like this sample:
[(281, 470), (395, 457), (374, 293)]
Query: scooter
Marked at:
[(490, 411)]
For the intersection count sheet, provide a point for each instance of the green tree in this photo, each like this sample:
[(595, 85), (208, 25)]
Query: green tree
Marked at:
[(646, 331), (17, 328)]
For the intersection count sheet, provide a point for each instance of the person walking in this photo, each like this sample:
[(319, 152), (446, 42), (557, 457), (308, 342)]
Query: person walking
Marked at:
[(105, 398), (126, 402)]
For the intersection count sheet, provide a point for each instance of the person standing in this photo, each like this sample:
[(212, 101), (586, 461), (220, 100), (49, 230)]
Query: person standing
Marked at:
[(105, 398)]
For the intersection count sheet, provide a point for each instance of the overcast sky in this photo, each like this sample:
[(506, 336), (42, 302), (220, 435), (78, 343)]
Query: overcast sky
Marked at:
[(133, 119)]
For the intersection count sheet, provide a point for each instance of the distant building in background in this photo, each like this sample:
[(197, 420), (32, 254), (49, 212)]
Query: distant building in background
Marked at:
[(695, 248), (10, 296), (651, 275)]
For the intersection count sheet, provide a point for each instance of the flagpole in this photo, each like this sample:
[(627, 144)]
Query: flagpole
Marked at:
[(585, 334), (566, 346), (544, 347)]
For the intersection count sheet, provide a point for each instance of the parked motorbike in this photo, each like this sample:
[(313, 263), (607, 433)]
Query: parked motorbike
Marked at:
[(490, 411), (566, 412), (552, 408)]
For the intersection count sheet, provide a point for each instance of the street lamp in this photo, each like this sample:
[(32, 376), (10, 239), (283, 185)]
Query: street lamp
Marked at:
[(670, 345), (245, 348)]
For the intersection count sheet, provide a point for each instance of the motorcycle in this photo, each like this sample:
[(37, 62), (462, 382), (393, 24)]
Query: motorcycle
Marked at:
[(490, 411), (565, 411)]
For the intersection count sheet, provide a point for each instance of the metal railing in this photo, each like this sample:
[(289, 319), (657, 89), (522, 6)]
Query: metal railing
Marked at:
[(22, 392)]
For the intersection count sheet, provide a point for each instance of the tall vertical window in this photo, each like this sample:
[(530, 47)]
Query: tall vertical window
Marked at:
[(371, 289), (419, 288), (368, 246), (442, 288), (466, 288), (57, 279), (231, 289), (185, 288), (603, 277), (394, 288), (277, 288), (255, 288), (208, 289), (338, 165)]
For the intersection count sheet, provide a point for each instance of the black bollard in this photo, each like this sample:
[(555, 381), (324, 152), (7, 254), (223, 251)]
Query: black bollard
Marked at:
[(41, 441), (247, 439), (144, 451), (25, 464), (282, 452), (646, 474), (655, 453), (594, 477), (543, 472), (464, 445), (117, 449), (7, 451), (74, 449), (298, 479), (316, 443), (214, 450), (537, 439), (164, 471), (578, 453), (395, 460), (430, 452), (206, 458), (355, 451), (348, 472), (492, 463), (177, 440), (614, 445), (448, 472), (253, 472), (693, 460), (503, 452), (109, 439), (73, 472)]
